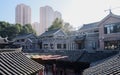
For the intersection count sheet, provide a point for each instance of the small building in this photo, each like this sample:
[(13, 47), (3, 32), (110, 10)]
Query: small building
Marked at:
[(60, 62), (89, 28), (54, 40), (88, 38), (5, 43), (68, 62), (28, 42), (14, 62), (102, 35)]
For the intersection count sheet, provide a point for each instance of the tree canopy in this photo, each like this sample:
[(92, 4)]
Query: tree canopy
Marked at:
[(58, 24), (12, 30), (67, 28)]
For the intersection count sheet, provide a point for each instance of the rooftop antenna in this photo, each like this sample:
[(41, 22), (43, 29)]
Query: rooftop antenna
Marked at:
[(110, 12), (110, 9)]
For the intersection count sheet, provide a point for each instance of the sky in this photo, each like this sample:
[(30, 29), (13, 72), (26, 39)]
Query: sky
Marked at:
[(75, 12)]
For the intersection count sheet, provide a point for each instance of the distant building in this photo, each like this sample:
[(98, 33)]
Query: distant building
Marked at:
[(89, 28), (47, 16), (73, 62), (5, 43), (28, 42), (53, 40), (56, 40), (88, 37), (36, 27), (60, 62), (102, 35), (23, 14), (109, 32)]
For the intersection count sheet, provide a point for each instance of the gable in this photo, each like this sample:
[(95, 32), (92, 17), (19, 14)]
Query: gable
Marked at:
[(28, 41), (109, 19), (89, 26), (49, 33), (32, 37), (59, 33)]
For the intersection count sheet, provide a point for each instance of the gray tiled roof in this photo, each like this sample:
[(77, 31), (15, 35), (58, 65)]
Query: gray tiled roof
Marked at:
[(107, 67), (89, 26), (16, 63), (49, 33), (95, 56), (73, 55), (80, 55), (81, 37), (23, 36)]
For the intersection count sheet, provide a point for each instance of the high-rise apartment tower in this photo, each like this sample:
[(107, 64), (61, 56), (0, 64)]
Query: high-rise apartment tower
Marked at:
[(23, 14), (47, 16)]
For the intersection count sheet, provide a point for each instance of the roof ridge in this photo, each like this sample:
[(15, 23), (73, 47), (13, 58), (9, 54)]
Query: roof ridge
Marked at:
[(6, 50)]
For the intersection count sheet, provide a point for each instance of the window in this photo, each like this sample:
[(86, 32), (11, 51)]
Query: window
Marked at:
[(23, 47), (22, 40), (112, 45), (108, 29), (45, 46), (112, 28), (51, 45), (64, 46), (18, 41), (59, 46), (94, 45), (118, 27)]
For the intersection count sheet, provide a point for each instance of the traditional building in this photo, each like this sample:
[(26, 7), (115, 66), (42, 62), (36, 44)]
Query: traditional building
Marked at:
[(89, 28), (68, 62), (102, 35), (5, 43), (109, 32), (56, 40), (53, 40), (28, 42)]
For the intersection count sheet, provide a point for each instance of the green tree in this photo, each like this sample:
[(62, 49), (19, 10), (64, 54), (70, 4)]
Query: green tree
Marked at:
[(67, 28), (27, 29), (12, 30), (57, 24), (18, 27), (3, 25)]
